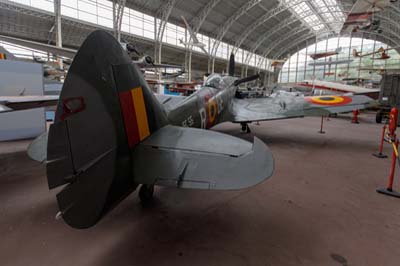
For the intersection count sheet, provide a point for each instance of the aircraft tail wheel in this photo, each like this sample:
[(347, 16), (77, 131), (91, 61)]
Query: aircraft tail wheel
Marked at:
[(245, 128), (146, 193), (248, 129)]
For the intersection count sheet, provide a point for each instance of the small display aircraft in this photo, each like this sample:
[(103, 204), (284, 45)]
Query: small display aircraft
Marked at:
[(278, 63), (194, 41), (325, 54), (361, 16), (111, 133), (331, 62), (381, 50)]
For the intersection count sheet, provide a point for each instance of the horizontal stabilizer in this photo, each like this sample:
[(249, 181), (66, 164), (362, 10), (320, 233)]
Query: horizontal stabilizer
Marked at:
[(4, 108), (15, 103), (199, 159), (37, 150)]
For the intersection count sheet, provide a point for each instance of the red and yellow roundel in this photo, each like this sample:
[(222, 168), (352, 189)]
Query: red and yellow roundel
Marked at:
[(329, 100)]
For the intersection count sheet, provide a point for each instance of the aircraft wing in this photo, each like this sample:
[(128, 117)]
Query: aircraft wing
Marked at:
[(201, 159), (287, 105), (70, 53), (15, 103)]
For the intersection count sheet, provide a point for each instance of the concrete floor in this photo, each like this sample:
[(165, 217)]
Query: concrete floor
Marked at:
[(319, 208)]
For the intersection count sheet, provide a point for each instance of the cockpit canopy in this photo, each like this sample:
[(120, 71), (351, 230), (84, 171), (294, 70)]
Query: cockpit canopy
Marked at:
[(217, 81)]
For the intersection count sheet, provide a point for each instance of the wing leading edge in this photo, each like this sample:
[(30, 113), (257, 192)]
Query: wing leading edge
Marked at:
[(15, 103), (199, 159), (287, 105)]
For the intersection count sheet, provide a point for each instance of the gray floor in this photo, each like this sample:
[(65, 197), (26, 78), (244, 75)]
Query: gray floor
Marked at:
[(319, 208)]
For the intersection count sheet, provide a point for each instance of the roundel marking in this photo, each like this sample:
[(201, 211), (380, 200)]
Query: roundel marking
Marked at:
[(329, 100)]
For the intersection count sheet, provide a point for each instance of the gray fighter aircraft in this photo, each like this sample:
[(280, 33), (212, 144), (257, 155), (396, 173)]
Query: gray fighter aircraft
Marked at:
[(112, 134)]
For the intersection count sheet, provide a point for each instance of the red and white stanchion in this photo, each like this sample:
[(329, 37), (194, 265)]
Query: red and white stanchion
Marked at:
[(354, 119), (380, 153), (321, 131), (392, 139)]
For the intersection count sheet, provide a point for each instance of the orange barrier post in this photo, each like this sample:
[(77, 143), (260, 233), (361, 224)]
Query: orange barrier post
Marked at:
[(380, 154), (354, 119), (393, 140), (389, 190), (322, 125)]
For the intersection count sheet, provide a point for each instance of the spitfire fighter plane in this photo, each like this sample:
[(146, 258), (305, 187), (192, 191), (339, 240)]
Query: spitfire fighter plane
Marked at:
[(112, 134)]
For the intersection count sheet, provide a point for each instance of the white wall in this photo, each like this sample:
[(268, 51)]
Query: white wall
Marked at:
[(15, 76)]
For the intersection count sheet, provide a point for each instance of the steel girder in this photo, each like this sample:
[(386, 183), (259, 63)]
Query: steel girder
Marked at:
[(197, 22), (118, 11), (267, 16), (309, 36), (279, 42), (228, 24), (164, 12), (270, 33)]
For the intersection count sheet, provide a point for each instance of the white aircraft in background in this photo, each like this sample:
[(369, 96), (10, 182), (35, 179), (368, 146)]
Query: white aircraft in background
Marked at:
[(320, 87), (195, 42)]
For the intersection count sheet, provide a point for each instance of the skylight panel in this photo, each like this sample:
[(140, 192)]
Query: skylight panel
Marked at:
[(319, 15)]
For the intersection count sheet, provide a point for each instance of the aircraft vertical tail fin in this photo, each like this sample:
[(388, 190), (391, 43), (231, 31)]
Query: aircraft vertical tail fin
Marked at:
[(105, 109)]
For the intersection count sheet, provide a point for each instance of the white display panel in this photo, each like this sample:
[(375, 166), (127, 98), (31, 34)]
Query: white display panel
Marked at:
[(15, 78)]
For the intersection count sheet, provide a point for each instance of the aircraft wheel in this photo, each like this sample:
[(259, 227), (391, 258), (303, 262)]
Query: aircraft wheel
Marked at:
[(146, 193), (379, 117), (248, 129), (244, 127)]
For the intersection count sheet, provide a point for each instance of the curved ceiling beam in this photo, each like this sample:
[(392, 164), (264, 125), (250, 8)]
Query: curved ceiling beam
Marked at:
[(198, 21), (290, 34), (387, 35), (228, 24), (269, 34), (164, 13), (251, 28), (277, 28), (300, 40)]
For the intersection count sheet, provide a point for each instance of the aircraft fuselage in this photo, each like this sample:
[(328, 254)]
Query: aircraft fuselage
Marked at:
[(208, 106)]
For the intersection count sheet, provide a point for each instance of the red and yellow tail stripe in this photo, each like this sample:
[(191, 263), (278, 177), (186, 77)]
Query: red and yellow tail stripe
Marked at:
[(3, 56), (135, 115)]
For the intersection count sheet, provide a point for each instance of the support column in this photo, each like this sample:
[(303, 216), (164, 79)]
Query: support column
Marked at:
[(57, 23), (118, 11)]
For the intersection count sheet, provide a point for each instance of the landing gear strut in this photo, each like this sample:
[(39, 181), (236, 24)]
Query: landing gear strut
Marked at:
[(245, 128), (146, 193)]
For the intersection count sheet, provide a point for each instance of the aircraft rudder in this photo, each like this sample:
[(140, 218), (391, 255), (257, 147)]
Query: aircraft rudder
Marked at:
[(105, 109)]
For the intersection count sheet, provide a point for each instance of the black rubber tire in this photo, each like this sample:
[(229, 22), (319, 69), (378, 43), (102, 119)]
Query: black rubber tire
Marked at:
[(379, 117), (146, 193)]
